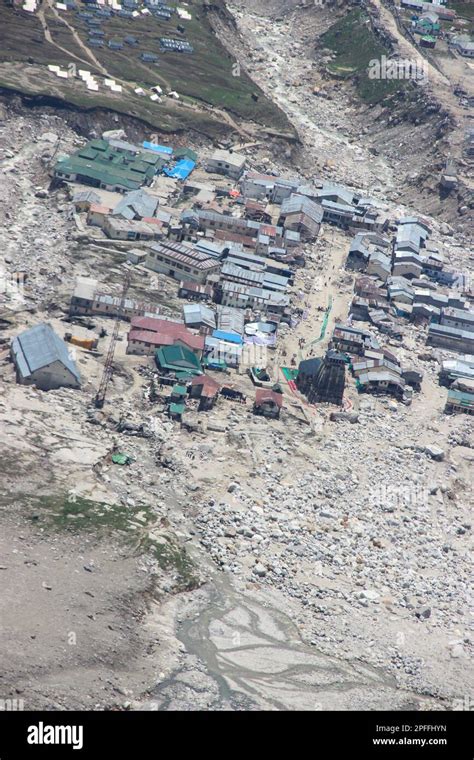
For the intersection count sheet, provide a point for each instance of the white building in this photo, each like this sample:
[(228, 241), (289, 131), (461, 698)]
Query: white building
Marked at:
[(181, 261), (225, 162)]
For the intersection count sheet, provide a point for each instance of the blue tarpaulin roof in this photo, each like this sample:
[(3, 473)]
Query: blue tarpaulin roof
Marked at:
[(158, 148), (181, 170), (227, 336)]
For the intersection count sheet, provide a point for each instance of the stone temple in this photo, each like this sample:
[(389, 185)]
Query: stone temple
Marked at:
[(323, 379)]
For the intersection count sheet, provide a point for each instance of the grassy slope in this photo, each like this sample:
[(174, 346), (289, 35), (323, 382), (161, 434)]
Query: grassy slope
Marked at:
[(464, 9), (133, 525), (205, 76), (355, 45)]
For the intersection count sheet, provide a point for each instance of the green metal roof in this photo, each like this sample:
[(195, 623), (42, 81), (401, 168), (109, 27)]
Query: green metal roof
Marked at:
[(461, 397), (179, 390), (186, 153), (98, 143), (176, 408), (88, 153), (178, 358), (95, 170), (100, 161)]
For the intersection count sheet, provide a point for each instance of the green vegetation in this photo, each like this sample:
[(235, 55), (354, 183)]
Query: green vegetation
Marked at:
[(204, 77), (74, 513), (355, 45), (133, 525), (464, 9), (170, 556)]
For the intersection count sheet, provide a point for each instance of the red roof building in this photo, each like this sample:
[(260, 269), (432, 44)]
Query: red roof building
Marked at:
[(205, 386), (149, 334), (267, 402), (206, 389)]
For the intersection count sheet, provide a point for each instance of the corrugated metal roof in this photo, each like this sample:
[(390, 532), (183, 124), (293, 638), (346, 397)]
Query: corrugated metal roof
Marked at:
[(210, 248), (300, 204), (461, 315), (230, 319), (86, 196), (136, 203), (455, 332), (263, 395), (461, 397), (184, 253), (38, 347), (196, 312), (247, 275)]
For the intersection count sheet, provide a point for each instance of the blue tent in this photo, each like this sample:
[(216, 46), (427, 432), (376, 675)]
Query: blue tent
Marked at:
[(181, 170), (158, 148), (227, 336)]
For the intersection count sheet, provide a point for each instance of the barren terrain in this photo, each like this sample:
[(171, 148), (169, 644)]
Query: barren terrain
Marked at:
[(248, 563)]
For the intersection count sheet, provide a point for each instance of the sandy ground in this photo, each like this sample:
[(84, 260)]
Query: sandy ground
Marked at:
[(97, 613)]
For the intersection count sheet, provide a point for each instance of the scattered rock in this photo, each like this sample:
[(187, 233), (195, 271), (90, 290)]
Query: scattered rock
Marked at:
[(423, 613)]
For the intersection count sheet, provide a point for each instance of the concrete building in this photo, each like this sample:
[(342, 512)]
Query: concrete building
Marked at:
[(302, 215), (181, 261), (83, 200), (451, 338), (206, 389), (42, 359), (137, 204), (267, 187), (194, 291), (454, 369), (225, 162), (104, 165), (211, 220), (87, 300), (177, 360), (462, 319), (245, 297), (381, 381), (352, 340), (97, 214), (408, 265), (379, 265), (199, 317), (129, 229), (149, 334)]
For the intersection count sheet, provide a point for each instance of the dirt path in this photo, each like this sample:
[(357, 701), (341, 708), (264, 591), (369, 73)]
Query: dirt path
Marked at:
[(77, 39), (130, 86), (48, 36), (438, 83), (407, 49)]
